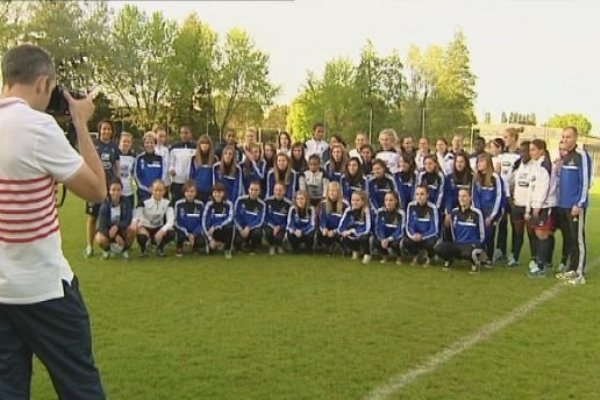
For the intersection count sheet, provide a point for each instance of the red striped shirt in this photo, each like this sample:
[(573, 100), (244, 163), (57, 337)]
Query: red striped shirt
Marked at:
[(27, 209)]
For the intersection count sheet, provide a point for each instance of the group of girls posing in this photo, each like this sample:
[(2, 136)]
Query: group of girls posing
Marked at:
[(413, 199)]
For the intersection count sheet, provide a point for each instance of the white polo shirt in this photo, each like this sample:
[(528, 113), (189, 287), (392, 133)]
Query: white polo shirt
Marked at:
[(34, 155)]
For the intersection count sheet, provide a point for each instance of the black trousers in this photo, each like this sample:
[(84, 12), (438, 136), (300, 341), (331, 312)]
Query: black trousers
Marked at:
[(252, 242), (327, 241), (393, 248), (182, 238), (58, 332), (450, 251), (501, 242), (272, 239), (413, 247), (573, 230), (297, 242), (176, 192), (361, 244), (224, 235)]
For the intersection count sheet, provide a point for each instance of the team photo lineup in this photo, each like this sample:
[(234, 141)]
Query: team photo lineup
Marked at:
[(422, 203)]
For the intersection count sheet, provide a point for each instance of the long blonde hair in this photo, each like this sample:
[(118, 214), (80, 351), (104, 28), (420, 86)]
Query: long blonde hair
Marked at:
[(205, 159), (338, 205)]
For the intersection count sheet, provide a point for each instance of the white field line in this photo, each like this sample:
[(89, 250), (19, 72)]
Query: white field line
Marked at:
[(398, 382)]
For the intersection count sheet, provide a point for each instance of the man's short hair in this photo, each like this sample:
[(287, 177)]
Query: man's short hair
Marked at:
[(24, 64), (572, 129)]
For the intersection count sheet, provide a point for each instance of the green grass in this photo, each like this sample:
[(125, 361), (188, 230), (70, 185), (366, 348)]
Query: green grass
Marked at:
[(315, 327)]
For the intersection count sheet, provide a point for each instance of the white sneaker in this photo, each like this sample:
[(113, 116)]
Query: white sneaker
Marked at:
[(125, 255), (88, 252), (105, 255), (561, 268), (498, 254), (280, 250), (532, 265), (579, 281), (383, 260), (569, 275), (355, 255), (366, 259), (228, 254), (512, 262), (272, 250)]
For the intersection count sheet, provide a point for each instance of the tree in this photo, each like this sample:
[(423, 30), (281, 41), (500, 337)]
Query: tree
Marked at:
[(504, 119), (487, 119), (276, 117), (241, 76), (190, 73), (583, 125), (135, 70)]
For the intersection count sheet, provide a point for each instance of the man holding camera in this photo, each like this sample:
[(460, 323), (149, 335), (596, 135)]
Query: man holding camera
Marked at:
[(41, 309)]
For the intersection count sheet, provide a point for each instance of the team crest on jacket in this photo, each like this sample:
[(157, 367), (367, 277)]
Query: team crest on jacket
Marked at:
[(470, 219)]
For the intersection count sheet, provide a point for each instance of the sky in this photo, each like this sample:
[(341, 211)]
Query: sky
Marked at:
[(528, 55)]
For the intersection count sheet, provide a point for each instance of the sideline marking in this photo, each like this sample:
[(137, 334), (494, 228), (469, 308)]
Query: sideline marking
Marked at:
[(398, 382)]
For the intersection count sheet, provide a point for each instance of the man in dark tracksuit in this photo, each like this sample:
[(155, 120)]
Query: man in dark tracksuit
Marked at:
[(573, 186)]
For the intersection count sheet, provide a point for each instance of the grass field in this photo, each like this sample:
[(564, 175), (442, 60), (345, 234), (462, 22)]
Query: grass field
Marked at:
[(302, 327)]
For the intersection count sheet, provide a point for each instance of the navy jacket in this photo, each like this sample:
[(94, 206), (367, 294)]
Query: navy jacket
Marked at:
[(378, 187), (390, 224), (105, 216), (217, 215), (574, 180), (351, 185), (331, 220), (357, 225), (249, 213), (277, 212), (468, 227), (148, 168), (188, 216), (422, 219), (406, 183), (305, 222)]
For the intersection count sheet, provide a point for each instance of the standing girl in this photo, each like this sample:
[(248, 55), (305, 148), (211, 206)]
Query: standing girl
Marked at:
[(229, 174), (387, 151), (488, 194), (380, 184), (299, 162), (460, 178), (201, 168), (251, 167), (282, 172), (353, 179), (148, 168), (284, 144), (334, 167), (435, 181), (406, 180), (314, 181)]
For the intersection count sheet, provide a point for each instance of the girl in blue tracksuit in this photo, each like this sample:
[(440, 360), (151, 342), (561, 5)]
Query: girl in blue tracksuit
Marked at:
[(201, 168), (330, 213), (433, 177), (282, 172), (468, 233), (249, 217), (335, 166), (460, 178), (188, 219), (353, 179), (406, 180), (379, 184), (488, 196), (252, 168), (355, 227), (276, 215), (114, 219), (229, 174), (217, 221), (301, 223), (148, 168), (422, 226), (298, 158), (389, 227)]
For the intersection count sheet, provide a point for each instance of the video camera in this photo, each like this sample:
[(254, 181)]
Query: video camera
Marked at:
[(58, 107)]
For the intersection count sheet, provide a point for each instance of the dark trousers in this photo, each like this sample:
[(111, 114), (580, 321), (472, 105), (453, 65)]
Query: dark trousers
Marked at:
[(360, 244), (182, 238), (58, 332), (297, 242), (573, 230), (393, 248), (413, 247), (327, 242), (450, 251), (490, 240), (143, 239), (252, 242), (272, 239), (503, 230), (176, 192), (224, 235)]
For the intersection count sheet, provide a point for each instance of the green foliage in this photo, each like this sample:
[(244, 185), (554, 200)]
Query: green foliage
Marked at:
[(518, 118), (441, 89), (583, 125), (276, 117)]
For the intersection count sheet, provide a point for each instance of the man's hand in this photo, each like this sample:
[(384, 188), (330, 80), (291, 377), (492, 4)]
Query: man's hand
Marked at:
[(81, 111)]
